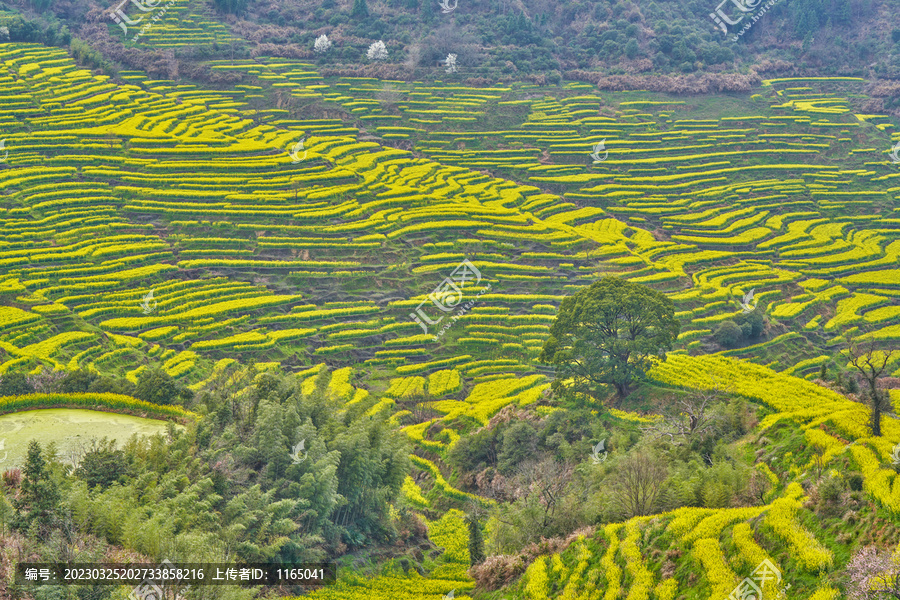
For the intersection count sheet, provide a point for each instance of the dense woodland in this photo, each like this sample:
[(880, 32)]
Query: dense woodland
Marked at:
[(505, 40), (227, 489), (222, 491)]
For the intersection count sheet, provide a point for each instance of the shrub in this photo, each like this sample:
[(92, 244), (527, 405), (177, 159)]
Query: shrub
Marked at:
[(829, 493), (756, 320), (157, 387), (519, 443), (12, 477), (77, 382), (728, 334), (497, 571), (89, 57), (15, 384), (102, 464)]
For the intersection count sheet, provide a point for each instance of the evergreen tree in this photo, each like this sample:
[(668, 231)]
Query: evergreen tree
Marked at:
[(6, 513), (271, 442), (39, 497), (231, 6), (631, 49), (103, 465), (843, 14), (41, 5), (807, 21), (360, 9), (429, 10)]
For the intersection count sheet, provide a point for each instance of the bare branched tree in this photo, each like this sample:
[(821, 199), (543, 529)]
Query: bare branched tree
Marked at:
[(449, 38), (547, 479), (76, 452), (638, 484), (871, 362), (690, 418)]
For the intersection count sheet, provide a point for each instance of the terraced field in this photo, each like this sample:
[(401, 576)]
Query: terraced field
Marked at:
[(173, 24), (174, 190), (152, 224)]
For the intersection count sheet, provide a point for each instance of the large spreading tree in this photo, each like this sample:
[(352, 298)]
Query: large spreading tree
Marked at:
[(608, 334)]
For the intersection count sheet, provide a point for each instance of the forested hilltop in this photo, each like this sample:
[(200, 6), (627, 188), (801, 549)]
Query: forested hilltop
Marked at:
[(507, 40)]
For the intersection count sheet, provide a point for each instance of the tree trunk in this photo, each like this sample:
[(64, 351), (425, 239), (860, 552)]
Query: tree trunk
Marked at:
[(876, 414)]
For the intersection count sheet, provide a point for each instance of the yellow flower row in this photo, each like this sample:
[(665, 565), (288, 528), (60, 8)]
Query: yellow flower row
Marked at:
[(444, 382), (721, 578), (412, 493), (536, 580), (642, 578), (809, 553), (10, 404), (751, 554), (608, 562), (406, 387)]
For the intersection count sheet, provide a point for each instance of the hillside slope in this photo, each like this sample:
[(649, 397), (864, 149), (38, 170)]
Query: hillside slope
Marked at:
[(404, 246), (325, 256), (499, 39)]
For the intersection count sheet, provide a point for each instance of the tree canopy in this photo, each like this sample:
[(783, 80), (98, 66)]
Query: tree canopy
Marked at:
[(235, 7), (158, 387), (360, 9), (228, 488), (871, 362), (608, 334)]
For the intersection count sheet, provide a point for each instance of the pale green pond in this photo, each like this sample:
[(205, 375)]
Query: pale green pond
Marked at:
[(69, 428)]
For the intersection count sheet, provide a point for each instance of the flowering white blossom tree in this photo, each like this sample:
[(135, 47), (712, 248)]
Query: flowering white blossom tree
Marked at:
[(451, 63), (322, 44), (377, 51), (874, 575)]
